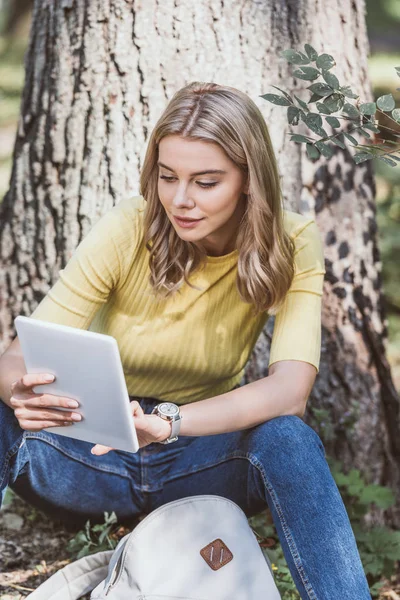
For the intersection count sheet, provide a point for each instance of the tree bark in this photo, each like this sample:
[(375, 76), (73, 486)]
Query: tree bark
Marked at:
[(98, 75)]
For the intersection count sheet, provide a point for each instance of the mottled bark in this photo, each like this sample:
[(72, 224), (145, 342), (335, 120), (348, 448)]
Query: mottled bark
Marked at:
[(99, 73)]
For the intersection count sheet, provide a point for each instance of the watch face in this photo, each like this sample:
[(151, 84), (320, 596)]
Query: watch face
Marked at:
[(168, 408)]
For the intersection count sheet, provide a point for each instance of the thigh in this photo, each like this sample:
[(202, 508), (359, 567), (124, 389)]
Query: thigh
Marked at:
[(216, 464), (60, 476)]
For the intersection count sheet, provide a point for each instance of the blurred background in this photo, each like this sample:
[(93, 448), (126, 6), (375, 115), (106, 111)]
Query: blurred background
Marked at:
[(383, 23)]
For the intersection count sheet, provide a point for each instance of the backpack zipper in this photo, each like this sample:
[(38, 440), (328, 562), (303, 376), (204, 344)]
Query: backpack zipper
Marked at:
[(115, 574)]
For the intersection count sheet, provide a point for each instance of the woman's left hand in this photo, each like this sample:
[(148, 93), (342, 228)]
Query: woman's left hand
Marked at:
[(149, 429)]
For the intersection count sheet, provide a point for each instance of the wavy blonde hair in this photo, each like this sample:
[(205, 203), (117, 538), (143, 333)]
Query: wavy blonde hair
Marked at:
[(228, 117)]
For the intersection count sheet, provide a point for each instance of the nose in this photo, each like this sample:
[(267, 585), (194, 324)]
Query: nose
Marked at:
[(181, 200)]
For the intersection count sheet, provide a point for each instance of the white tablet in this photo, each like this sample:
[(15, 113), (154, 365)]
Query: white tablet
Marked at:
[(87, 366)]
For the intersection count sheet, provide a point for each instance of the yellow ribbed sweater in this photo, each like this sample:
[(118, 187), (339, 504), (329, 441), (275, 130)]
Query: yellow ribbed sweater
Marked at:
[(196, 344)]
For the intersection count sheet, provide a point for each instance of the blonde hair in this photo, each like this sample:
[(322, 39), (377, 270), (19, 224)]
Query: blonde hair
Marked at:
[(228, 117)]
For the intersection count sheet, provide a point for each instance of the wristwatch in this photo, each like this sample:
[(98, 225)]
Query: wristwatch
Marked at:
[(170, 412)]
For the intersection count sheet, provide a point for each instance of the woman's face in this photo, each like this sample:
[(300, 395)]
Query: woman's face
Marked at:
[(188, 188)]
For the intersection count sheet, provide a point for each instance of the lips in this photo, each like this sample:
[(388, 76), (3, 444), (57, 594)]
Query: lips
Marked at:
[(186, 220), (187, 223)]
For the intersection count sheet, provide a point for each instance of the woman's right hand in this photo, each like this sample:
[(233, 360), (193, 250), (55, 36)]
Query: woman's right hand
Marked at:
[(33, 411)]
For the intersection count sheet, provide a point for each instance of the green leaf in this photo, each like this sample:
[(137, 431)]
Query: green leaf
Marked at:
[(325, 150), (314, 98), (325, 61), (302, 103), (333, 121), (362, 156), (312, 151), (297, 58), (365, 133), (284, 93), (337, 142), (386, 102), (275, 99), (351, 110), (334, 102), (388, 161), (396, 114), (346, 91), (368, 108), (331, 79), (314, 120), (103, 535), (381, 496), (311, 52), (376, 587), (83, 552), (307, 73), (293, 114), (320, 89), (296, 137), (322, 108), (371, 127), (350, 138)]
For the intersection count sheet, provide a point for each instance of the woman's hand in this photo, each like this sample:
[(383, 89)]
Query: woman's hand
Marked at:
[(36, 411), (149, 428)]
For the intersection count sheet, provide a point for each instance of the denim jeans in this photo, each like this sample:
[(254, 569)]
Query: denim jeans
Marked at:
[(280, 464)]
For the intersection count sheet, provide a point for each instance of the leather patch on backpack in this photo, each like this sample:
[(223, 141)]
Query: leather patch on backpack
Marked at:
[(216, 554)]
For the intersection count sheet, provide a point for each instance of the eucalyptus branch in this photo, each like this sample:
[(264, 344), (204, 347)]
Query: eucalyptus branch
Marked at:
[(329, 98)]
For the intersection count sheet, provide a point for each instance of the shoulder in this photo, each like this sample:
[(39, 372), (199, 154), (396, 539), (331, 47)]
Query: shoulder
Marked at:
[(130, 208), (125, 218), (304, 231), (295, 224), (309, 248)]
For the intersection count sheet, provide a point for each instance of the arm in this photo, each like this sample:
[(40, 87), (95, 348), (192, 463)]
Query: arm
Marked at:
[(12, 367), (98, 265), (283, 392), (294, 356)]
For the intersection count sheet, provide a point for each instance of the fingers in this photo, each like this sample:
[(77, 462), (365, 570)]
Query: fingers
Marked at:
[(28, 425), (30, 379), (23, 412), (137, 410), (99, 449), (44, 401)]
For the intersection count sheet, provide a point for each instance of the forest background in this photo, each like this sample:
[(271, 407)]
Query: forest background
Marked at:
[(25, 566)]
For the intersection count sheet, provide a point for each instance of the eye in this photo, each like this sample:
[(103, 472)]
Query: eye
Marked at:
[(203, 185), (207, 185)]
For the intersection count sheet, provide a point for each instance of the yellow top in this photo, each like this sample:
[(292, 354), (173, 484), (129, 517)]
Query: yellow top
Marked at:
[(195, 344)]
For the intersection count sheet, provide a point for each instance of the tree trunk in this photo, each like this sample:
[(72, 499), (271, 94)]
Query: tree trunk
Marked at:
[(98, 75)]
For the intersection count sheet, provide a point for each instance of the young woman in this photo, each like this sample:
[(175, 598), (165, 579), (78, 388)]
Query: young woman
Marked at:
[(184, 276)]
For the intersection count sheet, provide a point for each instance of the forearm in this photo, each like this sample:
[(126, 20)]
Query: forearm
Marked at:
[(241, 408), (12, 367)]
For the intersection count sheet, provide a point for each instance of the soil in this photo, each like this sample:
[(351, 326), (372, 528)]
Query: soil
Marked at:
[(32, 548)]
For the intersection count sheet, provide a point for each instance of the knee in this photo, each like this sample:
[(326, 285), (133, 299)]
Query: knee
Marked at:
[(286, 436), (8, 420)]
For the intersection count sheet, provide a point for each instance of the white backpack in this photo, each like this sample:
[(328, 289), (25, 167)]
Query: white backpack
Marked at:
[(195, 548)]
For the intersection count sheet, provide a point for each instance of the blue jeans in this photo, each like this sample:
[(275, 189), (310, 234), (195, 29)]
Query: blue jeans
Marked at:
[(279, 464)]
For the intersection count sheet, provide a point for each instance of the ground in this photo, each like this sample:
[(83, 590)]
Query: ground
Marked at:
[(32, 548)]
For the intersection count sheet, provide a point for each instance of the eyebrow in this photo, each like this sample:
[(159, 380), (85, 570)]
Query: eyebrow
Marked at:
[(215, 171)]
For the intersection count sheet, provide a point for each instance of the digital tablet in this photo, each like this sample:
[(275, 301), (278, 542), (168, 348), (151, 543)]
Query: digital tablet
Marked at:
[(87, 367)]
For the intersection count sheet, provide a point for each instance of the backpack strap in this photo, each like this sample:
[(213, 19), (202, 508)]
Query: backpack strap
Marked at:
[(75, 579)]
